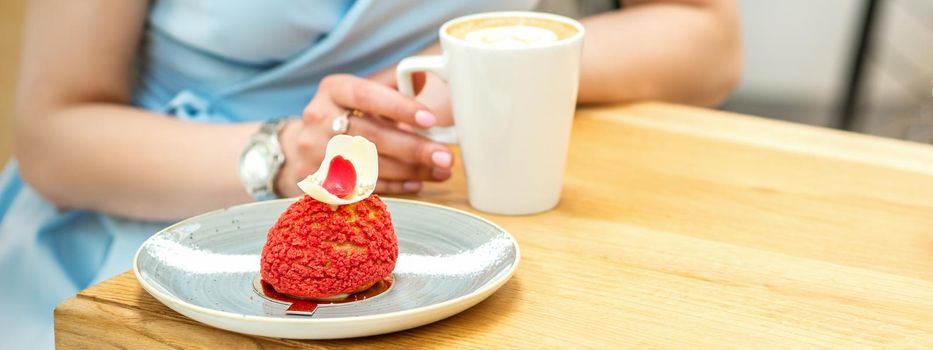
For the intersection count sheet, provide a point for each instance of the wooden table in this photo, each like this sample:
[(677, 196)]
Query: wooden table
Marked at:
[(678, 227)]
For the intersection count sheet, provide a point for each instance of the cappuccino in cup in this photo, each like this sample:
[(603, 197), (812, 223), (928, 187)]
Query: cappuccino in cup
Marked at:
[(511, 32), (513, 80)]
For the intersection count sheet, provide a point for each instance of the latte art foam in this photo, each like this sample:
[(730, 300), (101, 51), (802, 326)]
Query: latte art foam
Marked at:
[(515, 36)]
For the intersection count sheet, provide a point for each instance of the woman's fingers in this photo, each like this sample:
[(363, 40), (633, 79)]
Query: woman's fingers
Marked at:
[(402, 145), (406, 158), (357, 93), (393, 169), (385, 133), (397, 187)]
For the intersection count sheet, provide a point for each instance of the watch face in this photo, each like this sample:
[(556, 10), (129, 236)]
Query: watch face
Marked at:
[(257, 166), (260, 162)]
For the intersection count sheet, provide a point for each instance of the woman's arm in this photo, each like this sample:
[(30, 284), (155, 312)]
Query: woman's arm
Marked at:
[(685, 51), (81, 145)]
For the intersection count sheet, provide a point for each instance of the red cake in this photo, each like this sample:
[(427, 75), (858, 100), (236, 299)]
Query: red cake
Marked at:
[(314, 251), (338, 239)]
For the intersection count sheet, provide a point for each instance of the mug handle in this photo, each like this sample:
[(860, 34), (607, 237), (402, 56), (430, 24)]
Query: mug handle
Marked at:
[(436, 64)]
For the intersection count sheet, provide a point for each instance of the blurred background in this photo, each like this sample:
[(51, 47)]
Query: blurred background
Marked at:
[(855, 64), (861, 65), (11, 13)]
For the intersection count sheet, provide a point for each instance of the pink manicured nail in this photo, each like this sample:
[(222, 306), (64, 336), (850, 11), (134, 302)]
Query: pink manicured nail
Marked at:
[(425, 119), (411, 186), (441, 159)]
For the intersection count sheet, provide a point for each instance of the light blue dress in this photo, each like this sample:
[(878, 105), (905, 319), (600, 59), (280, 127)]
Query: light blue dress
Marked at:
[(203, 61)]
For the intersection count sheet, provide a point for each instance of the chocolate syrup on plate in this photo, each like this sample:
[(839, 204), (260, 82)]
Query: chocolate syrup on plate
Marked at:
[(306, 307)]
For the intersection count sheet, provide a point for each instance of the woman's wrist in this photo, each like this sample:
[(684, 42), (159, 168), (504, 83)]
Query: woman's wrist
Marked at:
[(286, 179)]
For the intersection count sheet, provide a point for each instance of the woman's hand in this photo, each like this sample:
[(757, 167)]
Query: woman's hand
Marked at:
[(405, 158), (432, 90)]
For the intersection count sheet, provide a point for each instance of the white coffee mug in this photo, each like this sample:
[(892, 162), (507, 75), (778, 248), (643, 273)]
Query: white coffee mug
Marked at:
[(513, 80)]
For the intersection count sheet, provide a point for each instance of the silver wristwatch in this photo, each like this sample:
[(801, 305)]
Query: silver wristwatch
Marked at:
[(261, 160)]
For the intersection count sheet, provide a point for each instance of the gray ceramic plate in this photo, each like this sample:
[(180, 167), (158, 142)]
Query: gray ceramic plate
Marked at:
[(204, 267)]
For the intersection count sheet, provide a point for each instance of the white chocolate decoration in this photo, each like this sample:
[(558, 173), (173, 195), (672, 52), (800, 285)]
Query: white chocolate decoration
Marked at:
[(362, 154)]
